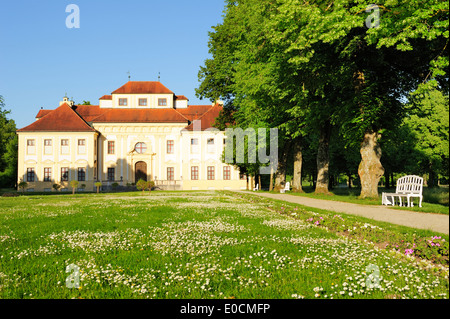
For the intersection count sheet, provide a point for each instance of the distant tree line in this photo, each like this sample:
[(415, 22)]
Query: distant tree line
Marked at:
[(8, 148)]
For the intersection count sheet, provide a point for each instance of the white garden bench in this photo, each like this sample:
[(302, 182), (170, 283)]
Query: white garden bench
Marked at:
[(287, 187), (256, 188), (407, 186)]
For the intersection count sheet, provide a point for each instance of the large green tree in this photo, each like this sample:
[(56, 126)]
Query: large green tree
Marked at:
[(381, 60), (321, 64), (250, 75)]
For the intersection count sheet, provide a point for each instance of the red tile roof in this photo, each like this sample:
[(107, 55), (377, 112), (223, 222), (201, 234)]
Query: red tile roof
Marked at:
[(62, 119), (208, 118), (194, 112), (42, 113), (106, 97), (181, 97), (89, 112), (75, 119), (142, 87)]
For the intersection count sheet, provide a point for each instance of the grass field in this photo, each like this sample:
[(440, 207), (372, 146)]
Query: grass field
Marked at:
[(207, 245)]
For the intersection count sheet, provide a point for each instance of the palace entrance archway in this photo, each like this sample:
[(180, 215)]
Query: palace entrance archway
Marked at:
[(140, 171)]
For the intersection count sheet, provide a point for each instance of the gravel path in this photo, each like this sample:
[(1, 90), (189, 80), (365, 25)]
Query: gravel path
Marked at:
[(434, 222)]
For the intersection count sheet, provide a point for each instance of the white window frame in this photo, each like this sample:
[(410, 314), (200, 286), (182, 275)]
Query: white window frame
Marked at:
[(210, 145), (65, 149), (195, 148), (48, 149), (31, 149), (81, 148)]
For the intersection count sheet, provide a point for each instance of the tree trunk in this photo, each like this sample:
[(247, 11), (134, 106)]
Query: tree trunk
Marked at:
[(298, 160), (432, 176), (259, 182), (370, 169), (349, 180), (425, 182), (331, 181), (280, 175), (280, 178), (271, 179), (323, 160)]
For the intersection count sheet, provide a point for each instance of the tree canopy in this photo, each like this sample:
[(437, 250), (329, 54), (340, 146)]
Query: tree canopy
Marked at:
[(306, 67)]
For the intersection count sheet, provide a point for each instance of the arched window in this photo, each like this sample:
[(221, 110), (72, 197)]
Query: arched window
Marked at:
[(140, 148)]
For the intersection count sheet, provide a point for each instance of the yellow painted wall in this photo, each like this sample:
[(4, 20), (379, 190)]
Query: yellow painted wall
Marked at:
[(55, 160), (125, 136)]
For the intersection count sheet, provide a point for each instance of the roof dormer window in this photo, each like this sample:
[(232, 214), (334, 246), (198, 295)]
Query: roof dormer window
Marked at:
[(162, 102), (142, 102), (123, 102)]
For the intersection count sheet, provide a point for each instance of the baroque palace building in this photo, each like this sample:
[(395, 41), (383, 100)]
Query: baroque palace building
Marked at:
[(141, 131)]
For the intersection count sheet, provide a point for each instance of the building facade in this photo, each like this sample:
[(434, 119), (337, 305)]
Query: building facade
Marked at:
[(140, 131)]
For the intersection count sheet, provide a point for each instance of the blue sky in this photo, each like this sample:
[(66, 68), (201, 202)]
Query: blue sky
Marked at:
[(41, 59)]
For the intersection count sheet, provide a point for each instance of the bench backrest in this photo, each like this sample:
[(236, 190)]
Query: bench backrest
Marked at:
[(410, 184), (288, 186)]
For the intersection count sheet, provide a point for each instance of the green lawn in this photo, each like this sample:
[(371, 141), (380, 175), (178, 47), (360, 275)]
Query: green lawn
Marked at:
[(434, 200), (206, 245)]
